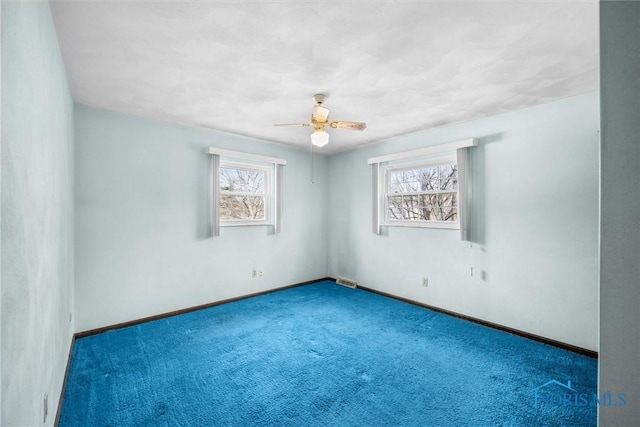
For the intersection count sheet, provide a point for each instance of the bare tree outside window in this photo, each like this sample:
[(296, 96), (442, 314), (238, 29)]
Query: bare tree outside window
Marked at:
[(242, 194), (425, 193)]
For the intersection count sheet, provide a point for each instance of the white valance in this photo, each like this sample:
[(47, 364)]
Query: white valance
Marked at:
[(425, 151)]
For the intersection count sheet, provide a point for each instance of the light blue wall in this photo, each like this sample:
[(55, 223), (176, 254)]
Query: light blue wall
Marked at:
[(620, 210), (142, 219), (0, 215), (142, 191), (141, 207), (37, 214), (534, 225)]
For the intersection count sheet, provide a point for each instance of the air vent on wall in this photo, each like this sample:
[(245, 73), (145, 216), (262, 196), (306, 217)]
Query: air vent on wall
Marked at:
[(346, 282)]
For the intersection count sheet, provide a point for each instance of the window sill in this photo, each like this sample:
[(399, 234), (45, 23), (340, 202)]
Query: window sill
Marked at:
[(243, 223), (424, 224)]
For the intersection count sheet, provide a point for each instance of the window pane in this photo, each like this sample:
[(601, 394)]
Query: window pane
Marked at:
[(427, 207), (395, 208), (429, 179), (450, 170), (413, 180), (448, 177), (408, 181), (241, 207), (452, 215), (449, 184), (241, 181), (448, 200), (446, 207), (395, 181), (411, 207), (404, 181), (432, 178), (432, 193)]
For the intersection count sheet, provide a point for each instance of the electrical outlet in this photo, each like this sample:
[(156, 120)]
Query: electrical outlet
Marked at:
[(45, 407), (260, 272), (254, 273), (425, 282)]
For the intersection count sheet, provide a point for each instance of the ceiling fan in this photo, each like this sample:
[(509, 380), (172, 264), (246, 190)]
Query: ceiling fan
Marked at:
[(320, 119)]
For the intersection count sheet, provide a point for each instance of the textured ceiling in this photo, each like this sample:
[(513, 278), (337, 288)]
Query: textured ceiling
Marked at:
[(399, 66)]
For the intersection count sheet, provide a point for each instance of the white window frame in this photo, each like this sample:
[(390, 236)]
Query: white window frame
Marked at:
[(459, 148), (276, 166), (385, 185), (268, 193)]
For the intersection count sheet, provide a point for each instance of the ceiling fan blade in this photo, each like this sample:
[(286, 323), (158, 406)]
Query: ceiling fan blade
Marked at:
[(292, 124), (348, 125), (320, 114)]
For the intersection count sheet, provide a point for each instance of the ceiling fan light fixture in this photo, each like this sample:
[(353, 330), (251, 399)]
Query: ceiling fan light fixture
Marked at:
[(320, 119), (319, 137)]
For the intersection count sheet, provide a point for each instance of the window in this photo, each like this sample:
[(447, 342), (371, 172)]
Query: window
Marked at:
[(423, 194), (433, 192), (245, 191)]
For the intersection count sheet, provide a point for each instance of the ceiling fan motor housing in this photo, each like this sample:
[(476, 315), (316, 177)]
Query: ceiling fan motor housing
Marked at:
[(320, 118), (319, 98)]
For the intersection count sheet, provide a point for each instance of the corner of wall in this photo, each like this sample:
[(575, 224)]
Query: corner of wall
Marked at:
[(1, 140), (36, 249), (529, 265)]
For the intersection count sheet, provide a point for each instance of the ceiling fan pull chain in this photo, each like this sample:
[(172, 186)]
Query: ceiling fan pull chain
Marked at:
[(311, 178)]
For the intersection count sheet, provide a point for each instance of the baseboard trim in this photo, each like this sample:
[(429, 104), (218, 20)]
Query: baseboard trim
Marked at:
[(135, 322), (64, 382), (538, 338), (528, 335), (548, 341)]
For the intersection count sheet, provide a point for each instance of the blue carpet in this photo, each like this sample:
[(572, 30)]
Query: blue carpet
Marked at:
[(324, 355)]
